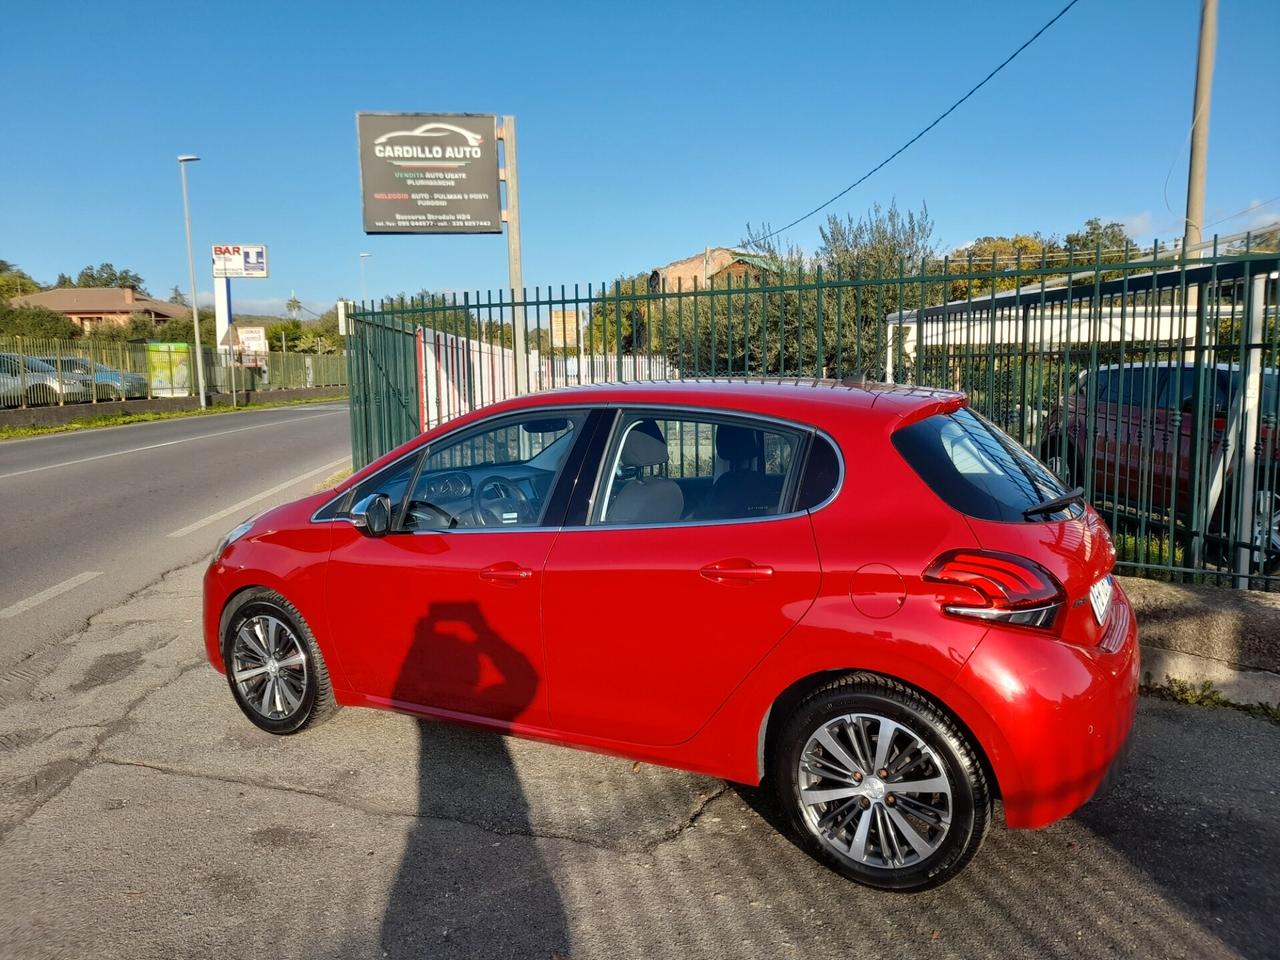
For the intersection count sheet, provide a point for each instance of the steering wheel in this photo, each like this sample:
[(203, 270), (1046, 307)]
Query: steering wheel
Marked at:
[(498, 502), (423, 511)]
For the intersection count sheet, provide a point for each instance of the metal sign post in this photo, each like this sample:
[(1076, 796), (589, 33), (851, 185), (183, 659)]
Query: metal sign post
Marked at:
[(515, 274), (245, 260)]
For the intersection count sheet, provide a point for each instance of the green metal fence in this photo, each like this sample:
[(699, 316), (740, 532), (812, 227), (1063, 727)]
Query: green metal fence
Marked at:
[(41, 372), (1146, 378)]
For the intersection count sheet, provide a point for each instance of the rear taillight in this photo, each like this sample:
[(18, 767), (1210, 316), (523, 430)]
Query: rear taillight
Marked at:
[(996, 586)]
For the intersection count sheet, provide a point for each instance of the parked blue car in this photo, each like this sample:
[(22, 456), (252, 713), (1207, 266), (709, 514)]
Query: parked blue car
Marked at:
[(110, 383)]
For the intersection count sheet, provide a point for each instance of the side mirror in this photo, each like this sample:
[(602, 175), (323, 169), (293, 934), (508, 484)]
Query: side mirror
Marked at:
[(372, 515)]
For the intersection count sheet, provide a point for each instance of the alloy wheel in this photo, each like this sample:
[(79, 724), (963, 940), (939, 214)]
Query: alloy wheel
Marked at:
[(269, 667), (873, 791), (1266, 520)]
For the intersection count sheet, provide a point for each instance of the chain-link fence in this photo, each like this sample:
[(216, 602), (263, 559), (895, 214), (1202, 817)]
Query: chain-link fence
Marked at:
[(43, 372)]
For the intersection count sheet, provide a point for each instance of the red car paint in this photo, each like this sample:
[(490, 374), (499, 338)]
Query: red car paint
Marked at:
[(669, 645)]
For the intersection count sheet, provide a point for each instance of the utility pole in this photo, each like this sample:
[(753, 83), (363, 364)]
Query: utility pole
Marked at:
[(515, 274), (1200, 128)]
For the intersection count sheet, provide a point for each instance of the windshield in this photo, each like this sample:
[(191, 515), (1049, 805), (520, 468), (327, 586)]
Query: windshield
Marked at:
[(979, 470)]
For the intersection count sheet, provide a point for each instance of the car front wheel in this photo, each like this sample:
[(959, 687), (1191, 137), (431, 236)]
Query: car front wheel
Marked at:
[(880, 785), (275, 668)]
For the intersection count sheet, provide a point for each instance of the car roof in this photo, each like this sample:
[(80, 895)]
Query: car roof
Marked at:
[(808, 400), (1169, 364)]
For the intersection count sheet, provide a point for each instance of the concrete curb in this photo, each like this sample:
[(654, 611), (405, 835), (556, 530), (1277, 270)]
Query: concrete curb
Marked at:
[(1230, 638), (1236, 684)]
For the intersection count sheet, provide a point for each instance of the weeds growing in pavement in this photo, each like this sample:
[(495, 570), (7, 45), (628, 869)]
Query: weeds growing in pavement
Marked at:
[(1205, 694)]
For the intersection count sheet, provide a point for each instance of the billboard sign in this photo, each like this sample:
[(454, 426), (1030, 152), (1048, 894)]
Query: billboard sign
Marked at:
[(239, 260), (252, 339), (429, 173)]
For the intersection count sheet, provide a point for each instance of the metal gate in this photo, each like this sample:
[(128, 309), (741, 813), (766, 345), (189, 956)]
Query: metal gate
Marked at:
[(1151, 380)]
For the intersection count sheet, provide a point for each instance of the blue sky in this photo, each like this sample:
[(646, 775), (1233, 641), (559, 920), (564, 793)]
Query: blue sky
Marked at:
[(645, 132)]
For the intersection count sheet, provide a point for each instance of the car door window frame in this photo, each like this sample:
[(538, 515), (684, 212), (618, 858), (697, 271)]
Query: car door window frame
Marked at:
[(556, 500), (572, 464), (800, 461)]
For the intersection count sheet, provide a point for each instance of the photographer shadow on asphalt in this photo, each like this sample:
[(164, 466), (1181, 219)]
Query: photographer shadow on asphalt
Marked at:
[(495, 889)]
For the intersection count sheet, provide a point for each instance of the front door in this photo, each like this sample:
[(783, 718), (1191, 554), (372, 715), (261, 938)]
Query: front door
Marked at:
[(443, 612), (691, 568)]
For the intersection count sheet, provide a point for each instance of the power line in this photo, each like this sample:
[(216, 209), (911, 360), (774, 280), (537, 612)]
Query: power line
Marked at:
[(1240, 213), (937, 120)]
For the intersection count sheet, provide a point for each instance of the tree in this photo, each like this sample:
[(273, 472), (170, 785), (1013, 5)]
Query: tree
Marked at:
[(615, 314), (181, 330), (286, 332), (1111, 237), (176, 296), (1007, 259), (35, 322), (15, 282), (1000, 254), (327, 324), (139, 327), (104, 275), (860, 259)]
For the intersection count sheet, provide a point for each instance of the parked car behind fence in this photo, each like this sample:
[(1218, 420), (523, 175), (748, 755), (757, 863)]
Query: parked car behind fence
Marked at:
[(1137, 452), (34, 383)]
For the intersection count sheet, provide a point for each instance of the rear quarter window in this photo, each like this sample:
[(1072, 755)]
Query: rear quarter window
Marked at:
[(975, 468)]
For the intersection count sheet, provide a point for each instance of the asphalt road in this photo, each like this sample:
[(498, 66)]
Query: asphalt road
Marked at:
[(141, 816), (86, 519)]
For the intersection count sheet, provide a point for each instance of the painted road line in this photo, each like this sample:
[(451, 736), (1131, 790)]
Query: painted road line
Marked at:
[(237, 507), (167, 443), (22, 606)]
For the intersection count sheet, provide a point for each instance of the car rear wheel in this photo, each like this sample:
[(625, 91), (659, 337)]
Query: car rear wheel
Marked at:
[(275, 668), (40, 396), (1266, 522), (880, 785)]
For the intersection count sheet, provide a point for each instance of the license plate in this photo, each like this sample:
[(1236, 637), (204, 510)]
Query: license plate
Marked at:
[(1100, 598)]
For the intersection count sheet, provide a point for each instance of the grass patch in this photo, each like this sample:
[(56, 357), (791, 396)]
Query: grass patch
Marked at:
[(1155, 550), (122, 419), (1205, 694), (328, 483)]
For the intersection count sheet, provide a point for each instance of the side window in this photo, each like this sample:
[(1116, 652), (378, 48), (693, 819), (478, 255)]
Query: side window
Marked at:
[(392, 480), (821, 474), (685, 468), (494, 475), (1132, 389), (1104, 386)]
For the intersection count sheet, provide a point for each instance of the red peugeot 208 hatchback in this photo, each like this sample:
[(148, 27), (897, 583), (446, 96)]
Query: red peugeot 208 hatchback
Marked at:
[(866, 594)]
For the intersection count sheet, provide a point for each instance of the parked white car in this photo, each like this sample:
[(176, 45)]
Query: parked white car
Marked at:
[(34, 382)]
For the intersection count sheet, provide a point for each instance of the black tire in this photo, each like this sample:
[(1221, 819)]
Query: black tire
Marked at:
[(40, 396), (314, 692), (949, 754)]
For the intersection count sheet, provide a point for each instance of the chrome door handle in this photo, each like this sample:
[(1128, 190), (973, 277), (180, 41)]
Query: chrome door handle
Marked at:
[(736, 571), (507, 573)]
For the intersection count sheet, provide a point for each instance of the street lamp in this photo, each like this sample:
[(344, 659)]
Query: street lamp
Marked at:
[(183, 160), (364, 293)]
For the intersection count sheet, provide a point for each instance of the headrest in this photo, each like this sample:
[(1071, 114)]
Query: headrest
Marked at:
[(735, 444), (643, 450)]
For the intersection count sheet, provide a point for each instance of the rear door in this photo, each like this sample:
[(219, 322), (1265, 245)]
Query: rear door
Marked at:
[(690, 568)]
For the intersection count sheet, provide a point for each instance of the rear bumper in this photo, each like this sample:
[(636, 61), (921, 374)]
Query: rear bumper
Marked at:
[(1063, 715)]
